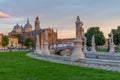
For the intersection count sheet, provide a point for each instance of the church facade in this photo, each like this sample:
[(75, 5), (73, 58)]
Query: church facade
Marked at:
[(28, 32)]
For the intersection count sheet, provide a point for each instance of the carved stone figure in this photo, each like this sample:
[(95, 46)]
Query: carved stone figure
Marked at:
[(46, 49), (111, 43), (37, 51), (77, 52), (45, 36), (111, 37), (93, 40), (79, 29), (93, 44), (85, 46)]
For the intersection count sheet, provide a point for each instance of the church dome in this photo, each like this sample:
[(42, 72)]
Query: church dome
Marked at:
[(17, 28), (28, 26)]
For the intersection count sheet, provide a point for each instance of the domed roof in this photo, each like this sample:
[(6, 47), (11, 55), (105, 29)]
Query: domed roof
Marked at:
[(16, 27), (27, 26)]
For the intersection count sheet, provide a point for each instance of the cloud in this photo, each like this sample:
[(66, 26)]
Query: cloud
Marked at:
[(4, 15)]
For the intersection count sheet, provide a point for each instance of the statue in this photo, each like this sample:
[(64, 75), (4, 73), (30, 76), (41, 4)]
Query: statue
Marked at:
[(79, 29), (46, 45), (77, 52), (93, 44), (93, 39), (111, 37), (38, 51), (111, 43), (42, 46), (45, 36), (85, 46)]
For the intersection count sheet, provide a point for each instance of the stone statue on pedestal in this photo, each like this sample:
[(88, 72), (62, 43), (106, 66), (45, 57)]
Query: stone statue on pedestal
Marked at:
[(46, 45), (111, 43), (93, 44), (77, 52), (85, 46), (37, 51), (93, 40), (46, 36), (79, 29), (111, 37), (42, 46)]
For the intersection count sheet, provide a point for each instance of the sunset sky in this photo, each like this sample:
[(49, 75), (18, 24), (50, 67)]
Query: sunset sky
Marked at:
[(60, 14)]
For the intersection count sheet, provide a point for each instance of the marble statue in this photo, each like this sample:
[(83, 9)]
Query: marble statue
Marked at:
[(37, 51), (77, 52), (79, 29), (46, 36), (42, 46), (111, 37), (46, 45), (93, 50), (111, 44), (85, 46)]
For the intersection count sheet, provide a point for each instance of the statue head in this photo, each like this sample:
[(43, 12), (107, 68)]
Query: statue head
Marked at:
[(78, 18)]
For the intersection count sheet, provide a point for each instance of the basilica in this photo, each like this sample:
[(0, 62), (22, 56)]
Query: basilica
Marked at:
[(28, 32)]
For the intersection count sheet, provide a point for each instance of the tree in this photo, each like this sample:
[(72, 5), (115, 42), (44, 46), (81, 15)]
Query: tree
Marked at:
[(29, 42), (21, 39), (5, 41), (99, 37), (116, 37)]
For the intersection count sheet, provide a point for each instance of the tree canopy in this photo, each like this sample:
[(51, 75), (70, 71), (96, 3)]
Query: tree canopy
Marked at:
[(5, 41), (29, 42), (116, 37), (99, 37), (21, 38)]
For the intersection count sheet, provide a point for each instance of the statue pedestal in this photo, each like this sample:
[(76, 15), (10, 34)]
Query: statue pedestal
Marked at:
[(77, 53), (112, 50), (38, 51), (85, 49), (46, 50)]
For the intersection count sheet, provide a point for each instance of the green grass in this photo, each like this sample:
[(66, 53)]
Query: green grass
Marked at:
[(102, 50), (17, 66), (118, 50), (105, 50)]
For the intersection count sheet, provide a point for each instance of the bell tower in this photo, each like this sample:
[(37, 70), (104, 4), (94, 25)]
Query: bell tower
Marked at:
[(37, 23)]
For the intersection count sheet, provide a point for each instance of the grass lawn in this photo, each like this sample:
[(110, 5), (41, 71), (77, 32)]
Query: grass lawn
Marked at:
[(102, 50), (17, 66), (105, 50), (118, 50)]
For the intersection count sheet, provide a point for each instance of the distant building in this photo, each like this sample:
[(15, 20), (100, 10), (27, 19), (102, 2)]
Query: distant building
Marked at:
[(28, 32), (1, 35), (13, 42)]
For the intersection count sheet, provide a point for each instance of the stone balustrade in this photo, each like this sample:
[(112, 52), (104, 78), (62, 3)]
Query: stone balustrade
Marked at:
[(92, 63), (106, 56)]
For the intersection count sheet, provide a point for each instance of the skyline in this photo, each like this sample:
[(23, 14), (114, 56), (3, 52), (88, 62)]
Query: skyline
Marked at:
[(60, 14)]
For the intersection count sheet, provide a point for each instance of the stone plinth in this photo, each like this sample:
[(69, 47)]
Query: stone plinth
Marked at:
[(38, 51), (46, 50), (112, 50), (93, 50), (77, 53), (85, 49)]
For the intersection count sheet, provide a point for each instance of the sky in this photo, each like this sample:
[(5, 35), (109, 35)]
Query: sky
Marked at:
[(61, 14)]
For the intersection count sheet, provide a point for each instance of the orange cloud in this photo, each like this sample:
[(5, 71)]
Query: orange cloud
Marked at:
[(4, 15)]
